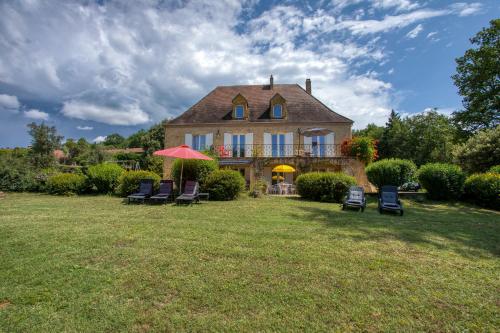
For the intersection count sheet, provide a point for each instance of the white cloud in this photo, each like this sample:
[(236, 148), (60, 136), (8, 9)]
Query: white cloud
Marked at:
[(36, 114), (400, 5), (126, 115), (129, 63), (466, 9), (431, 34), (99, 139), (84, 128), (390, 71), (415, 31), (9, 103)]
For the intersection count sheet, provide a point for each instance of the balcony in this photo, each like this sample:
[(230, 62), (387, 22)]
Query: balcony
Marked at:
[(267, 150)]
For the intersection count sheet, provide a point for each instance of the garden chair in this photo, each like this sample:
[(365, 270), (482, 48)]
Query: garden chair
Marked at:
[(388, 200), (355, 198), (190, 195), (145, 191), (166, 192)]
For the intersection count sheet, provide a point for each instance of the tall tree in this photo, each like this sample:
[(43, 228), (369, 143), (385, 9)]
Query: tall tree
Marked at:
[(154, 139), (114, 140), (44, 141), (478, 81), (371, 130), (394, 138)]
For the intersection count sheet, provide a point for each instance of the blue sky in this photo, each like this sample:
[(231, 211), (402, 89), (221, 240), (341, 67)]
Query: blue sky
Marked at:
[(94, 68)]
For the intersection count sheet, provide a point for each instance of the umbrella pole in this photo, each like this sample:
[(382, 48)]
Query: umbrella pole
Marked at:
[(180, 183)]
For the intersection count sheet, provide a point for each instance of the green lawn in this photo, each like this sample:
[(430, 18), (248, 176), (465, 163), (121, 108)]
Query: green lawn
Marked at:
[(274, 264)]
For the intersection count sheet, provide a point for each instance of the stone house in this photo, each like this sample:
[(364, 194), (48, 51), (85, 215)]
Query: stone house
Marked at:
[(253, 128)]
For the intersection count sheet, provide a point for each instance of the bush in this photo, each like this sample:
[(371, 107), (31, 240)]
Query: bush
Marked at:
[(197, 170), (324, 186), (495, 169), (224, 184), (128, 182), (484, 189), (15, 173), (104, 177), (442, 181), (362, 148), (480, 152), (66, 183), (154, 164), (391, 171)]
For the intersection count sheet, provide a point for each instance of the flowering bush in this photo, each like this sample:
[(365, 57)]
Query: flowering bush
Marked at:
[(362, 147)]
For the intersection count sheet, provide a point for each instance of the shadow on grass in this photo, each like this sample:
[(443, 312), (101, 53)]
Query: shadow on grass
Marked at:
[(469, 229)]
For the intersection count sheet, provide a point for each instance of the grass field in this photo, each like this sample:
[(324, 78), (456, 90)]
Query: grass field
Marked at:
[(274, 264)]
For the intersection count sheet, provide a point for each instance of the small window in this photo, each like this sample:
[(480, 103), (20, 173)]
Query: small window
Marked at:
[(277, 111), (239, 111), (199, 142)]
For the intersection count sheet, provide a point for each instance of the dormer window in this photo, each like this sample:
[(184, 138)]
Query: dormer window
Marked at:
[(277, 107), (240, 107), (239, 111), (277, 111)]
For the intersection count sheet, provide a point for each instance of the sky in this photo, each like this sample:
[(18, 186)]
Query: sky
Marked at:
[(92, 68)]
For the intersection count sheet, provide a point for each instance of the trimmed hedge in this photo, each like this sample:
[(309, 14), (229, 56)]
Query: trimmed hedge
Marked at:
[(324, 186), (224, 184), (66, 184), (442, 181), (391, 171), (483, 189), (104, 177), (197, 170), (128, 182), (495, 169)]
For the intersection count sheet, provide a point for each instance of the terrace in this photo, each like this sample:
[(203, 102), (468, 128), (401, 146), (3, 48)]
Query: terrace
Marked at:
[(275, 150)]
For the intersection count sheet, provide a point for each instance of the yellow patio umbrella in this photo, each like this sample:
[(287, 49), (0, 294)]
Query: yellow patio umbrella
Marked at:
[(283, 168), (278, 178)]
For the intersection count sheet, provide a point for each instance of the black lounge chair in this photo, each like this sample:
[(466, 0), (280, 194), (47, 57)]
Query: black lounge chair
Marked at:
[(190, 194), (355, 198), (388, 200), (145, 191), (166, 192)]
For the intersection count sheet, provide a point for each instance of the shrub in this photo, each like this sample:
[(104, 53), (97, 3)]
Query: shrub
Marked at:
[(324, 186), (128, 182), (391, 171), (441, 180), (224, 184), (484, 189), (15, 173), (363, 148), (197, 170), (66, 183), (104, 177), (495, 169), (480, 152), (154, 164)]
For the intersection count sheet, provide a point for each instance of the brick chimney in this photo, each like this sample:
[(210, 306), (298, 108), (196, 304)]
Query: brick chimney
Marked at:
[(271, 82), (308, 86)]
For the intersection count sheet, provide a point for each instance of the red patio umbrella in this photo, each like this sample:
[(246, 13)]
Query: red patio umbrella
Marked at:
[(183, 152)]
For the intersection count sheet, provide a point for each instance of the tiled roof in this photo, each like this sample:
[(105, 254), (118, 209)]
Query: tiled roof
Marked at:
[(216, 107)]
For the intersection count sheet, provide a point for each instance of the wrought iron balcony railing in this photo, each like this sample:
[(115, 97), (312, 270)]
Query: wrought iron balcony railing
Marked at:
[(269, 150)]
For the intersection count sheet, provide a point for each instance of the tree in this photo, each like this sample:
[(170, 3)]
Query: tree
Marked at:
[(373, 131), (393, 140), (74, 150), (115, 140), (44, 141), (431, 138), (154, 139), (135, 140), (478, 81), (480, 152)]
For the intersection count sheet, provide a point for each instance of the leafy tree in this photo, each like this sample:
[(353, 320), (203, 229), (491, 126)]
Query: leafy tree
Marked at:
[(394, 138), (135, 140), (94, 155), (154, 139), (44, 141), (75, 149), (430, 139), (480, 152), (373, 131), (114, 140), (478, 81)]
